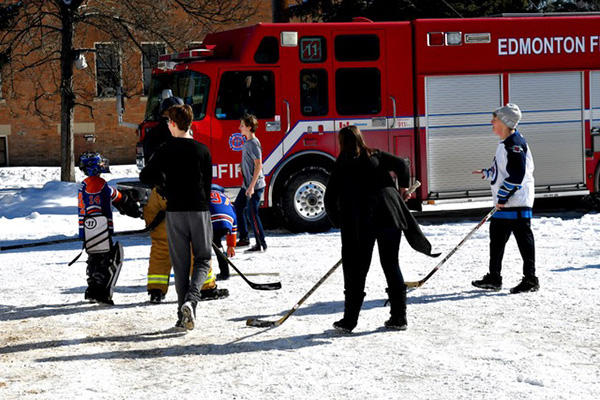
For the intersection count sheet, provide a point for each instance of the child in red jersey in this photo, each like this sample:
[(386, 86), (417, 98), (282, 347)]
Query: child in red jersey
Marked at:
[(96, 228)]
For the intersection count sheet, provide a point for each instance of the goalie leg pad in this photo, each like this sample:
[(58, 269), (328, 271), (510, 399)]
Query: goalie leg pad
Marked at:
[(112, 264)]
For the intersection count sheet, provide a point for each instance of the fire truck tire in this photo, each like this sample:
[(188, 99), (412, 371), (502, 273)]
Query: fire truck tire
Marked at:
[(302, 201)]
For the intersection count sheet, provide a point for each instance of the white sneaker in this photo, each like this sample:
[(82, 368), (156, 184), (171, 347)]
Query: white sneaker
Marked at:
[(189, 316)]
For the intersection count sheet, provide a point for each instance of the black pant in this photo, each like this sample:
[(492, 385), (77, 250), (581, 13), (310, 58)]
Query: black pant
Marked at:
[(217, 237), (356, 258), (500, 231)]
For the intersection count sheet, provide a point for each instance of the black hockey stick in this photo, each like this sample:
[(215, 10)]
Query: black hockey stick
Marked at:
[(268, 324), (157, 220), (256, 286), (420, 283)]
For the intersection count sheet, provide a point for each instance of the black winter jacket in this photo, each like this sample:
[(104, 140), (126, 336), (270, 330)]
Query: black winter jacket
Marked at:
[(361, 197)]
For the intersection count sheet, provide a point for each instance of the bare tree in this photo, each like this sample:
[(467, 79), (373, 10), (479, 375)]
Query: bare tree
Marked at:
[(43, 38)]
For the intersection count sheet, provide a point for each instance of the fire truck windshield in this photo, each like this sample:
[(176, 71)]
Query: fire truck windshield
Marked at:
[(191, 86)]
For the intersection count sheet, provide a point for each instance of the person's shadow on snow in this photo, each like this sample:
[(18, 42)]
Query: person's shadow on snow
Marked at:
[(236, 347)]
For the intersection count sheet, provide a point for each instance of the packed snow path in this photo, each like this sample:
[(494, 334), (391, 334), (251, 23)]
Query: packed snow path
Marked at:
[(461, 342)]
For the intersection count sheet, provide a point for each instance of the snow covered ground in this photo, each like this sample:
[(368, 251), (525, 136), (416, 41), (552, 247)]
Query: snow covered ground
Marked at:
[(462, 343)]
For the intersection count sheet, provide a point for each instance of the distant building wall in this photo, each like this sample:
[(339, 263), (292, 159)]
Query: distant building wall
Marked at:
[(26, 140)]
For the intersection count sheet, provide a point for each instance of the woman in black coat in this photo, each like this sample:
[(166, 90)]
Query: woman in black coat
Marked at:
[(362, 200)]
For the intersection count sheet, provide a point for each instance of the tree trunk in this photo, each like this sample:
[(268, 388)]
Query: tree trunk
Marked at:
[(67, 98), (280, 11)]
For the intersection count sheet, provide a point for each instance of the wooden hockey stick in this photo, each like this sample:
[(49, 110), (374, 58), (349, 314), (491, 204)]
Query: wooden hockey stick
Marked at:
[(420, 283)]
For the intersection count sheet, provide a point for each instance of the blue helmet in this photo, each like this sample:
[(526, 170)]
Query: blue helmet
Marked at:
[(93, 164)]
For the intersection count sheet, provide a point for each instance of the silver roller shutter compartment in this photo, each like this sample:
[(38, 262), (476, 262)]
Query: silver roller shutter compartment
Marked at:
[(552, 123), (595, 97), (459, 135)]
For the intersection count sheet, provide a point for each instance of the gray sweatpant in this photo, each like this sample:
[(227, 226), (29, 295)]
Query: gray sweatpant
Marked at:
[(189, 230)]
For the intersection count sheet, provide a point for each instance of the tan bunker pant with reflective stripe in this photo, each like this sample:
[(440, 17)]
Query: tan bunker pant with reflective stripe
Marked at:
[(159, 268)]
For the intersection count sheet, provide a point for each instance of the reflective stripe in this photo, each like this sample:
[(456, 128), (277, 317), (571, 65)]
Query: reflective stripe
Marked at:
[(209, 278), (159, 279)]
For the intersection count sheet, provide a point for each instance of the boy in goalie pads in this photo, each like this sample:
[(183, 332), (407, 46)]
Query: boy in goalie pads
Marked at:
[(96, 227)]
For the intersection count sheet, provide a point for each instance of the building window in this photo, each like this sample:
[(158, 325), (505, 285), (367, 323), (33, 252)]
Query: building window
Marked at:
[(3, 151), (358, 91), (313, 92), (108, 69), (150, 53)]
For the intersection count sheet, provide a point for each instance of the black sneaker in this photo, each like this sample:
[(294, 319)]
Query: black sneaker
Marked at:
[(526, 285), (343, 326), (257, 248), (156, 296), (214, 294), (398, 324), (243, 243), (222, 277), (489, 282)]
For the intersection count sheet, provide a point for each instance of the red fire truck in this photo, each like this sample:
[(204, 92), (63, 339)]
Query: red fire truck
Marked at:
[(422, 89)]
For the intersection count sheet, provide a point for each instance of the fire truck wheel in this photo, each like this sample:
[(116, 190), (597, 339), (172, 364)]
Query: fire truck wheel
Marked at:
[(302, 201)]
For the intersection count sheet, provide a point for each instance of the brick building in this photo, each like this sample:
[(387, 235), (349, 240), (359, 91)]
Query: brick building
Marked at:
[(27, 139)]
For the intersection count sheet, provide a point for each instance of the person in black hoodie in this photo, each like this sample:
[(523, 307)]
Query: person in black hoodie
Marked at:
[(362, 200), (184, 167)]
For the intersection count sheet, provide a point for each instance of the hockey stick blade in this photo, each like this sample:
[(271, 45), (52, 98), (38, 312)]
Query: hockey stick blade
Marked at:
[(261, 323), (253, 285)]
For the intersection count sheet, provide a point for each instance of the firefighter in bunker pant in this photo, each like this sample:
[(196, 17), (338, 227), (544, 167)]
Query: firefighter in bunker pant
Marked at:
[(159, 269)]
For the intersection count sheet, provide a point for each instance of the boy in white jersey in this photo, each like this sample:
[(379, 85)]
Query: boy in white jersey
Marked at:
[(513, 190)]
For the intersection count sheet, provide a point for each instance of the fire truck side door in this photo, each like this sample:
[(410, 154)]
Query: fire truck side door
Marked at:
[(360, 81), (244, 90)]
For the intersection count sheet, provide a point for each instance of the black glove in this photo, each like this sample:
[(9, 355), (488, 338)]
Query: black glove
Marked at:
[(129, 205)]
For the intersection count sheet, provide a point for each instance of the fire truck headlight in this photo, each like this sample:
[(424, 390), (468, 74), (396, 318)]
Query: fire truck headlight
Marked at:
[(453, 38)]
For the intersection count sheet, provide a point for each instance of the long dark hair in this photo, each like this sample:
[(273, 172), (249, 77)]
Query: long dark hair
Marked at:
[(352, 143)]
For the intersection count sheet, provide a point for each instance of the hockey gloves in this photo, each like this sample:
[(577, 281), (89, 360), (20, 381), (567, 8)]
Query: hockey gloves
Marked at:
[(129, 205)]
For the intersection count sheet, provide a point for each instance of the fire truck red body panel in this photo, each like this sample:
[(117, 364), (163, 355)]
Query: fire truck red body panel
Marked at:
[(423, 90)]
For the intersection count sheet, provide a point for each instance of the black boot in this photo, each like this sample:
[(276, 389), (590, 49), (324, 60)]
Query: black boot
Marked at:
[(352, 306), (397, 319), (528, 284)]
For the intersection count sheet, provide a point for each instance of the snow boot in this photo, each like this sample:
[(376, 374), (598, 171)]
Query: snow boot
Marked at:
[(489, 281), (156, 296), (526, 285), (352, 306), (397, 319), (213, 294)]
